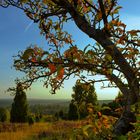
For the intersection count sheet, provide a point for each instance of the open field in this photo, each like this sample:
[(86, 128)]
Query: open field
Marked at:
[(49, 127), (90, 128), (21, 131), (58, 130), (38, 131)]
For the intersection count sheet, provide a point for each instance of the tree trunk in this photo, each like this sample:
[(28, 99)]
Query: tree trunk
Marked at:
[(123, 125)]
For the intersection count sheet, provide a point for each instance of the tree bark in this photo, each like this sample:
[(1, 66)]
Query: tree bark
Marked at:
[(123, 125)]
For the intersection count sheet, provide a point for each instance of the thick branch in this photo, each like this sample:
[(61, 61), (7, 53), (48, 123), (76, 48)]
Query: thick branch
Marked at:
[(103, 12), (119, 84)]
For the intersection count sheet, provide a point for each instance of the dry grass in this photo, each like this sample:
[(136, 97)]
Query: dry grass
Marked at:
[(44, 131), (23, 131), (26, 132)]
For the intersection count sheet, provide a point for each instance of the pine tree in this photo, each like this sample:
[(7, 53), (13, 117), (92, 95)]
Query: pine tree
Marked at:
[(19, 110)]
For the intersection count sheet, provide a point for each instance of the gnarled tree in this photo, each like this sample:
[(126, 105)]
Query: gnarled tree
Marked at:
[(115, 55)]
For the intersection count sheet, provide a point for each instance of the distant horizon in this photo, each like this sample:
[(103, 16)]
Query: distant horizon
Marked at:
[(49, 99)]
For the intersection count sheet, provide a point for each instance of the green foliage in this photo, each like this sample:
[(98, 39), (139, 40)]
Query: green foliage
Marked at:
[(4, 115), (27, 54), (49, 118), (73, 112), (95, 129), (131, 135), (114, 107), (135, 135), (106, 110), (19, 110), (31, 119), (84, 94), (122, 137), (38, 117)]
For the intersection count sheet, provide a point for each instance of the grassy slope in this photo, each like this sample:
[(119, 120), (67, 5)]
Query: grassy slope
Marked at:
[(26, 132), (21, 131), (58, 130)]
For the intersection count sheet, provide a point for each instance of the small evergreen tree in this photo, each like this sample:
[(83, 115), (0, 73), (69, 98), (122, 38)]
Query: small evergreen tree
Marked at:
[(19, 110)]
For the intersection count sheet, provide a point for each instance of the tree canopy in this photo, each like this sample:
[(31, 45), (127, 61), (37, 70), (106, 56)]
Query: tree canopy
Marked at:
[(84, 93), (84, 96)]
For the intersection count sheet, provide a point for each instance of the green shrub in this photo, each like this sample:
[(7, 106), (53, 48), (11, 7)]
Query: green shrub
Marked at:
[(49, 118), (4, 115), (106, 110), (134, 135), (31, 120), (73, 112)]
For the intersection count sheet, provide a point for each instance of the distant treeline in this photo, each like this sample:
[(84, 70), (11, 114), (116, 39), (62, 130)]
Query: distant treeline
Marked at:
[(31, 102), (49, 109)]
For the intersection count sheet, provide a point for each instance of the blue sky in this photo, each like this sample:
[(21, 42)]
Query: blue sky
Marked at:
[(17, 32)]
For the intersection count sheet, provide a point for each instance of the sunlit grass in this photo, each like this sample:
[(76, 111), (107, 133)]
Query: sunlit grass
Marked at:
[(13, 135), (57, 130), (24, 131)]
